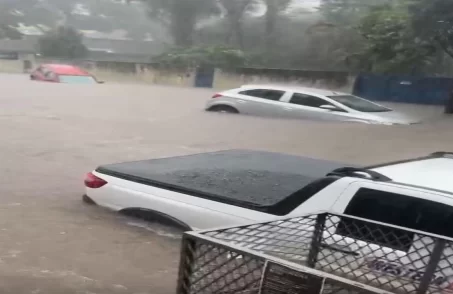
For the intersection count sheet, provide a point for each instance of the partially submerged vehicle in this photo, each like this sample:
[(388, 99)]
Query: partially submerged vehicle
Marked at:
[(384, 227), (63, 73), (233, 187), (305, 103)]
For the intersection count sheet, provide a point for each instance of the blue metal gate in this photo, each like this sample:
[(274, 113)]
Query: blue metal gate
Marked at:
[(204, 77), (403, 89)]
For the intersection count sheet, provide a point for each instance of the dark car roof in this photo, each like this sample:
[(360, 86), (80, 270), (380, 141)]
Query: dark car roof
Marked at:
[(254, 177)]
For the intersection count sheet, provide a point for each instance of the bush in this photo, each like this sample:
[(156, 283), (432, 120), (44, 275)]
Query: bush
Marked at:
[(64, 42)]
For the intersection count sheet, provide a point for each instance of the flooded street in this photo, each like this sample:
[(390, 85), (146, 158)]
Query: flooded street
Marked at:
[(52, 134)]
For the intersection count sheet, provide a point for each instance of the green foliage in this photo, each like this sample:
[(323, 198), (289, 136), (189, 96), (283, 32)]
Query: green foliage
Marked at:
[(347, 12), (235, 11), (273, 9), (390, 44), (64, 42), (214, 56), (433, 21), (181, 16), (403, 36), (7, 32)]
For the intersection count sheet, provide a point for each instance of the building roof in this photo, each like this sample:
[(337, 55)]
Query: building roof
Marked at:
[(103, 49), (21, 46)]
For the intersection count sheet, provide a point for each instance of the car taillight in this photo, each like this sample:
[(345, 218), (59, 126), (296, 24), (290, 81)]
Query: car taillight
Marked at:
[(217, 96), (93, 182)]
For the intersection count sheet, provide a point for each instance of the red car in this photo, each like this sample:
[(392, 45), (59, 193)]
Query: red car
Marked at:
[(62, 73)]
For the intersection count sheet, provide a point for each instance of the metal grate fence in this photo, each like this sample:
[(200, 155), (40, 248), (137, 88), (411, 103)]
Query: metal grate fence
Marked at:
[(350, 255)]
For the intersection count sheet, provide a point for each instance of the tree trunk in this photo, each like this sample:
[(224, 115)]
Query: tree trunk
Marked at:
[(182, 24), (235, 14), (239, 34), (271, 16)]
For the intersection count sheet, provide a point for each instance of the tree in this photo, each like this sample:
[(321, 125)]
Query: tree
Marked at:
[(7, 32), (347, 12), (390, 44), (273, 8), (433, 21), (339, 32), (64, 42), (181, 16), (235, 11)]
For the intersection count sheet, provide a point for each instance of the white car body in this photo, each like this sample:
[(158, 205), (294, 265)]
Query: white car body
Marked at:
[(305, 103), (424, 180), (408, 178)]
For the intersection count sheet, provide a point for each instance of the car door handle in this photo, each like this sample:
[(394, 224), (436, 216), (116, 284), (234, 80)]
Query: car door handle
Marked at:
[(241, 101), (288, 108)]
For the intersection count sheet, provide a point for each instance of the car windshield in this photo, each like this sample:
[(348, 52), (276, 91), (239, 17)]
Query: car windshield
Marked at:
[(358, 103), (76, 79)]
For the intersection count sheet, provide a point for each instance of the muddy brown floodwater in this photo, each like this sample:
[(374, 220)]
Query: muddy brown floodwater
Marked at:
[(53, 134)]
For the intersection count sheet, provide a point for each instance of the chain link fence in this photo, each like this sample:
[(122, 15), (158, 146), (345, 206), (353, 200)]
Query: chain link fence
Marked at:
[(324, 253)]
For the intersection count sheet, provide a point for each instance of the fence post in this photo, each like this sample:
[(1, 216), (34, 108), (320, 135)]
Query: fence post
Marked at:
[(427, 277), (185, 264), (316, 240)]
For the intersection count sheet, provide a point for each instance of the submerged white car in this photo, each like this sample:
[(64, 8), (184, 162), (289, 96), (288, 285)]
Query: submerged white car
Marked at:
[(305, 103)]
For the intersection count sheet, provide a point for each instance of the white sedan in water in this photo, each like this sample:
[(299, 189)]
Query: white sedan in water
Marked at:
[(305, 103)]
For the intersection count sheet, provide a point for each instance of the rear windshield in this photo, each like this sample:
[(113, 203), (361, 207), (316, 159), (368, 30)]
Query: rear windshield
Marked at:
[(76, 79), (359, 104)]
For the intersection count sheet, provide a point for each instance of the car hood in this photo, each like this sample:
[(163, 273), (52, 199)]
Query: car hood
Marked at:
[(393, 117)]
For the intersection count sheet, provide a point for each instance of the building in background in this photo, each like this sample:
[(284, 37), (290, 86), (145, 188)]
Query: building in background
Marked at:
[(99, 49)]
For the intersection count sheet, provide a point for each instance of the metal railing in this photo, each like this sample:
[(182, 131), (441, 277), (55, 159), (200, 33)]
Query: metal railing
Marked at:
[(331, 253)]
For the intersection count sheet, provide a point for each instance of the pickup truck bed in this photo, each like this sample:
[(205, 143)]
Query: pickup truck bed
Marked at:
[(234, 176)]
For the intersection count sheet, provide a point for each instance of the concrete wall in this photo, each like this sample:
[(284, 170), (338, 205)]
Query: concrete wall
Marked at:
[(142, 73), (151, 76), (11, 66), (223, 79)]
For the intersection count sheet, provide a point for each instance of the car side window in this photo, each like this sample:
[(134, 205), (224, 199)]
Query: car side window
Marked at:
[(396, 209), (308, 100), (274, 95)]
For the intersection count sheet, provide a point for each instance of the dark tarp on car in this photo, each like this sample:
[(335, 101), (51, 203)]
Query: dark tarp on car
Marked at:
[(242, 176)]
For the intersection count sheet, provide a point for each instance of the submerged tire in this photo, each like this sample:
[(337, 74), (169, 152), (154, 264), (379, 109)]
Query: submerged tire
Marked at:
[(156, 217), (88, 200), (223, 109)]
